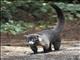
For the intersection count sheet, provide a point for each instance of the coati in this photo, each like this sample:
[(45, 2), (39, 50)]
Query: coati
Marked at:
[(46, 38)]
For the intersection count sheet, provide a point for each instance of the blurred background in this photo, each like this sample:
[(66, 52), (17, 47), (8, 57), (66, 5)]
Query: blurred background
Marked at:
[(19, 17)]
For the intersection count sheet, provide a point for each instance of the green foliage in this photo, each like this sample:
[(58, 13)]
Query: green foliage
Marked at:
[(69, 7), (35, 8), (15, 27)]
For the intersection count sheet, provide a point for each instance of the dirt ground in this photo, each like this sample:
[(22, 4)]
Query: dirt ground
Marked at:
[(19, 51)]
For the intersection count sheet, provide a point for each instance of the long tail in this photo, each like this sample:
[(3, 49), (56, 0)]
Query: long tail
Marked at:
[(61, 21)]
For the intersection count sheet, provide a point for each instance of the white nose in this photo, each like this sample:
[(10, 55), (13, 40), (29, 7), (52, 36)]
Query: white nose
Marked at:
[(31, 42)]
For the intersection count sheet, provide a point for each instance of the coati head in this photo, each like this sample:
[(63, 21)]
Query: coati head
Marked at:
[(32, 39)]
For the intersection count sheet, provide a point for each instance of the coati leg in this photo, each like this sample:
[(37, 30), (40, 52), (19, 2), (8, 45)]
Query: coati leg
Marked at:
[(50, 48), (34, 48), (57, 44), (47, 48)]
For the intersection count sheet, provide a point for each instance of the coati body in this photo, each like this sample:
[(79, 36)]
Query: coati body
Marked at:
[(46, 38)]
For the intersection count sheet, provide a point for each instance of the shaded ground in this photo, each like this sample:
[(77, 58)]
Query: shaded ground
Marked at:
[(72, 30)]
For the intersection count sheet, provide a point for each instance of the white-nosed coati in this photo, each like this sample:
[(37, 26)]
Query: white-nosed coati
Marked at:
[(46, 38)]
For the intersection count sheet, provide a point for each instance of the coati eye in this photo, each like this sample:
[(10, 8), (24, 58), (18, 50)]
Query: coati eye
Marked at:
[(36, 36)]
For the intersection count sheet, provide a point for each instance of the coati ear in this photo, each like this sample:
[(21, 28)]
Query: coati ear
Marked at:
[(26, 37), (36, 35)]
